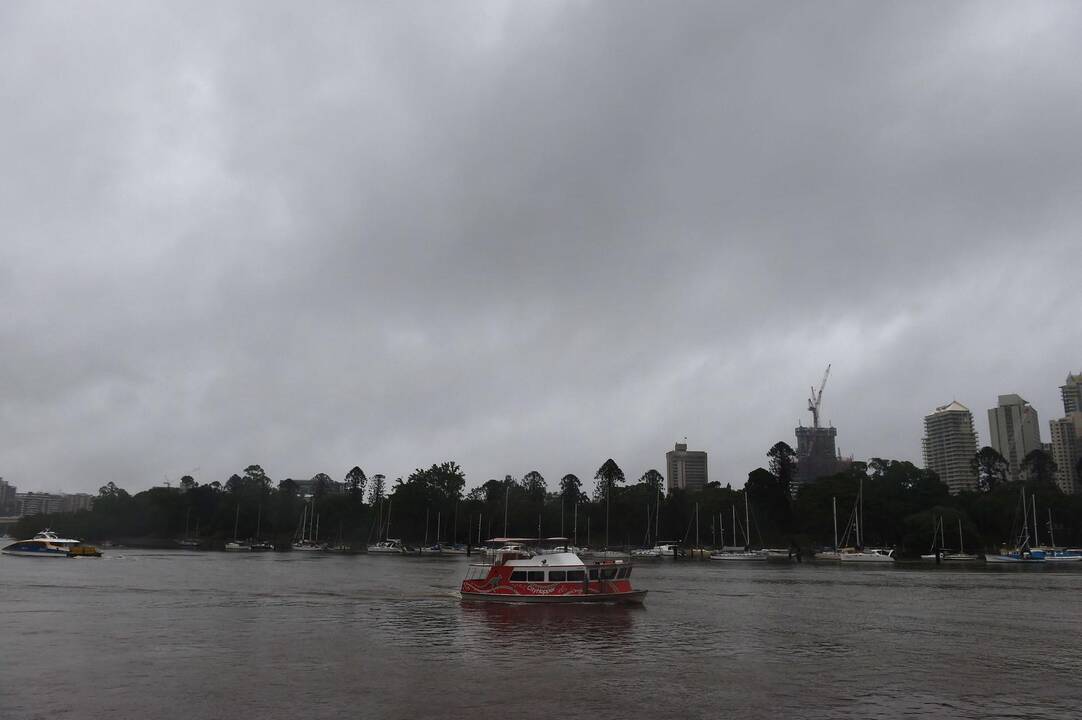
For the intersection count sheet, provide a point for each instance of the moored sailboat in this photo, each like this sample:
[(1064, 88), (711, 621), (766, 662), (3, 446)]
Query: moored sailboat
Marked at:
[(736, 553), (236, 545), (1021, 553)]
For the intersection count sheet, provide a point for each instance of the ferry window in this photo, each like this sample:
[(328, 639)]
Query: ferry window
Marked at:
[(518, 576), (621, 574), (557, 575), (536, 575), (608, 573), (593, 573), (576, 575)]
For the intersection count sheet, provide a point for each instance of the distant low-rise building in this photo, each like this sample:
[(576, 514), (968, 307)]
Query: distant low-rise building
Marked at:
[(75, 502), (36, 503), (685, 469), (307, 488), (950, 443), (41, 503)]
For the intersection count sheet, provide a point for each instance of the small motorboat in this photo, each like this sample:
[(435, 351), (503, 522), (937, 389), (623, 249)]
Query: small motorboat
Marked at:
[(47, 544), (522, 577), (260, 546), (866, 555), (387, 547)]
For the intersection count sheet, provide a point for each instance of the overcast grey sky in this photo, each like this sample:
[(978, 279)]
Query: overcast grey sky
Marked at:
[(524, 235)]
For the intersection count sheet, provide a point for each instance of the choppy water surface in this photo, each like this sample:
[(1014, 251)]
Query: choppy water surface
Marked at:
[(142, 634)]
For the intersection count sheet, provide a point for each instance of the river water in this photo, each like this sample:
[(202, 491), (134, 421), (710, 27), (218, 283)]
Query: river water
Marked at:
[(185, 635)]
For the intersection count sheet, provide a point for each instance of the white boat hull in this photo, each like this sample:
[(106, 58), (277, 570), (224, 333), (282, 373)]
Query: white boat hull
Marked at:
[(740, 556), (865, 558)]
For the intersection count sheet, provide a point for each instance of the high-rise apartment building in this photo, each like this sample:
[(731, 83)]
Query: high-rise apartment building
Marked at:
[(686, 469), (1072, 393), (950, 443), (1067, 436), (1014, 431), (1067, 450)]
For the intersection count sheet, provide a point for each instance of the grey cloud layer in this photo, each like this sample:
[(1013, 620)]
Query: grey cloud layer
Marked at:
[(523, 237)]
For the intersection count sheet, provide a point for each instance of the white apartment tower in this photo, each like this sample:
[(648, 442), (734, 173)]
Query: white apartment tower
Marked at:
[(1067, 436), (1014, 431), (950, 443)]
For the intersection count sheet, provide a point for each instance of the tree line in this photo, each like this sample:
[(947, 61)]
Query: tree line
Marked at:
[(901, 505)]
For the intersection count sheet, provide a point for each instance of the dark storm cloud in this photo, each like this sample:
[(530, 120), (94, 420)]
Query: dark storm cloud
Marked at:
[(523, 236)]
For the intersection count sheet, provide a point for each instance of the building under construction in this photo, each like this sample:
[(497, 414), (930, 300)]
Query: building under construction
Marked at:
[(816, 446)]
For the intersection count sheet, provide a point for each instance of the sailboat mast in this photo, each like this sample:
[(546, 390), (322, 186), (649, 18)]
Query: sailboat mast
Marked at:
[(747, 522), (734, 525), (576, 522), (387, 528), (426, 528), (657, 515), (697, 545), (860, 526), (961, 542), (1051, 532), (1025, 519), (646, 540), (236, 521), (1033, 506), (834, 501)]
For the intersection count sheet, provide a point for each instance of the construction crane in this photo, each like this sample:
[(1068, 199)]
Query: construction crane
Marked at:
[(816, 399)]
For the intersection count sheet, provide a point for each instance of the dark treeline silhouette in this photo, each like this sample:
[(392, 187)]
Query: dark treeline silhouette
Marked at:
[(901, 504)]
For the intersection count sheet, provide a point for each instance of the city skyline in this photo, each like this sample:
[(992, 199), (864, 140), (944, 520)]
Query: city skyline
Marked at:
[(983, 439), (523, 236)]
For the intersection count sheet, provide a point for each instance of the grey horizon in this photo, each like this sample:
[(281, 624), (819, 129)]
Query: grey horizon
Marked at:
[(524, 236)]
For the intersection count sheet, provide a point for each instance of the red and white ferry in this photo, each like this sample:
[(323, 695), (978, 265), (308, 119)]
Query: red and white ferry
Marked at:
[(518, 575)]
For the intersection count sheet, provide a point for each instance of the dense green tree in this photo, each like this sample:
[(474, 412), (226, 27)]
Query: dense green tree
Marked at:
[(321, 485), (608, 476), (256, 479), (653, 479), (534, 485), (571, 489), (783, 465), (1039, 467), (375, 494), (355, 481), (991, 468)]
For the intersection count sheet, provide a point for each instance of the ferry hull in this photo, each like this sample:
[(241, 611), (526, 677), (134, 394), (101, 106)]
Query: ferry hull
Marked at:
[(634, 597), (37, 553)]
